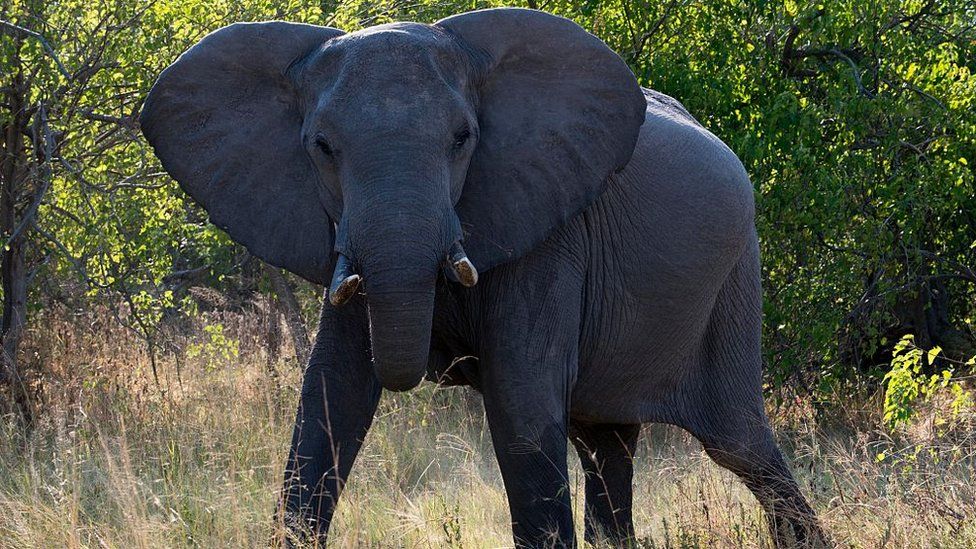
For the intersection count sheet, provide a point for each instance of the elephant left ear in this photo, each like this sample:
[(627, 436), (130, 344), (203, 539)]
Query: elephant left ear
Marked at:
[(559, 112)]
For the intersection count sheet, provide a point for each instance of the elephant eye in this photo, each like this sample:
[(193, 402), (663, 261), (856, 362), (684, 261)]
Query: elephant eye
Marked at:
[(460, 138), (323, 144)]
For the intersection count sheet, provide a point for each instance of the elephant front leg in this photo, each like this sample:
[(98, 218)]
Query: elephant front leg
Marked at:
[(530, 443), (338, 400), (529, 361)]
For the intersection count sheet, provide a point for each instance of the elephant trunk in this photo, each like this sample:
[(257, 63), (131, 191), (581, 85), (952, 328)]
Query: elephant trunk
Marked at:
[(400, 327), (398, 241)]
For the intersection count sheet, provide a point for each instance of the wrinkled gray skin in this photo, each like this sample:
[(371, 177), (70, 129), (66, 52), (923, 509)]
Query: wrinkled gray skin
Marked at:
[(614, 236)]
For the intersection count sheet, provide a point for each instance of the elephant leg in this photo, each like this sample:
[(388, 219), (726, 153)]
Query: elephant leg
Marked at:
[(339, 396), (606, 453), (730, 416), (531, 450), (529, 357), (760, 465)]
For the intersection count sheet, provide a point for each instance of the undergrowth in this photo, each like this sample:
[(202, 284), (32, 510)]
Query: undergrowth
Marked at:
[(117, 459)]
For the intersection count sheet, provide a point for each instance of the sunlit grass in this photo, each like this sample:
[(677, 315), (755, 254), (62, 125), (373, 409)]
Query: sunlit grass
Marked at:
[(117, 461)]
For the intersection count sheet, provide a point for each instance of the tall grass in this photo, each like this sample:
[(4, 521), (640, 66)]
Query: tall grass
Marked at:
[(117, 460)]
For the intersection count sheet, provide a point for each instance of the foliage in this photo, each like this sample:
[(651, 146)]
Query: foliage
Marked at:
[(907, 383), (855, 118), (215, 349), (113, 219)]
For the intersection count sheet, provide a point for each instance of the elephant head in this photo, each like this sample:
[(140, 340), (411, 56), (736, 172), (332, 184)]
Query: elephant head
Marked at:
[(375, 154)]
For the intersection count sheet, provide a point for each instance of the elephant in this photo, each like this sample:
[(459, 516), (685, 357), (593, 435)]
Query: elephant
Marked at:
[(491, 200)]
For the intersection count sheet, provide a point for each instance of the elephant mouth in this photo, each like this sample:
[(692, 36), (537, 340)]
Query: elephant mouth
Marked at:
[(345, 281), (400, 311)]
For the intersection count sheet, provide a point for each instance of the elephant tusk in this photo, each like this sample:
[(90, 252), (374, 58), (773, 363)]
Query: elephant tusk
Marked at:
[(344, 282), (461, 267)]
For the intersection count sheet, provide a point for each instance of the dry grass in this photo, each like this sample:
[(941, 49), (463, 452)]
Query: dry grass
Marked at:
[(118, 462)]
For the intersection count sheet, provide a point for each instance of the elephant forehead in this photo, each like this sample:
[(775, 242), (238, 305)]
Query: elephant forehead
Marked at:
[(407, 109), (394, 52), (405, 32), (389, 76)]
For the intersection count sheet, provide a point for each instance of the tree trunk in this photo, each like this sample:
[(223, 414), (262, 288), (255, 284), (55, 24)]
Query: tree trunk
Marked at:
[(273, 338), (14, 278), (273, 334), (293, 313), (13, 271)]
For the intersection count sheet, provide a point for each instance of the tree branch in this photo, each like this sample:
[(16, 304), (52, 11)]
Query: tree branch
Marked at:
[(42, 133), (17, 31)]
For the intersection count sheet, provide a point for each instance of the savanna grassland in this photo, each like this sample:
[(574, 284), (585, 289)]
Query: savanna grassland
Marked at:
[(148, 382), (196, 461)]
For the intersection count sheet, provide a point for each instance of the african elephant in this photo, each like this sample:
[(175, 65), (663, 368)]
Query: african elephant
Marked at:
[(501, 205)]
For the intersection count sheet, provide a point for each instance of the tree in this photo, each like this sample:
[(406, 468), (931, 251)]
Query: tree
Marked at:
[(81, 195)]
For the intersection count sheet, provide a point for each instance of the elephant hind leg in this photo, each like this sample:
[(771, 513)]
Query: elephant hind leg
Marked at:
[(606, 452), (729, 414), (758, 462)]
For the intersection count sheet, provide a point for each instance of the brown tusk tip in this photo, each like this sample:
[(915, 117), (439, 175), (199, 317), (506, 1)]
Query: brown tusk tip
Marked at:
[(466, 273), (340, 293)]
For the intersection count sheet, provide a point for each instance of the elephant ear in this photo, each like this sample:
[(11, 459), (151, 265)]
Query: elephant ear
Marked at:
[(225, 122), (559, 113)]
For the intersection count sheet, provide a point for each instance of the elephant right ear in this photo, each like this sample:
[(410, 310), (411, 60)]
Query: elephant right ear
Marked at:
[(225, 121)]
